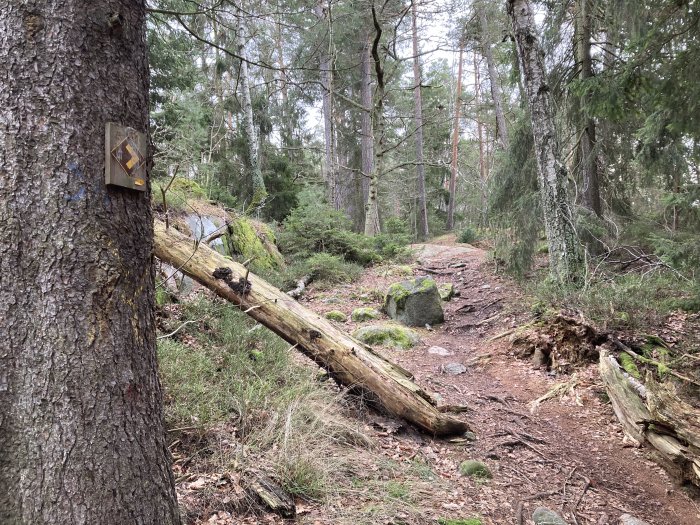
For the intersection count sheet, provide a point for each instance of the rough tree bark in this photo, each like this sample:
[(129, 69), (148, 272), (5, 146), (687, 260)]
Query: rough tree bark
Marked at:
[(350, 362), (494, 82), (259, 192), (367, 139), (455, 143), (422, 229), (587, 158), (564, 254), (372, 226), (81, 433), (323, 15)]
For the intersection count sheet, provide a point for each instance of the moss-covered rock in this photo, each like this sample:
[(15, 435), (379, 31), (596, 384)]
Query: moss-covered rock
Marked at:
[(336, 315), (247, 239), (387, 335), (474, 469), (414, 303), (364, 314), (446, 291)]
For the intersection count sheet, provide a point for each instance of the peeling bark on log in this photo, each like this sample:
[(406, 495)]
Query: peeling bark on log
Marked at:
[(670, 427), (349, 362), (269, 494)]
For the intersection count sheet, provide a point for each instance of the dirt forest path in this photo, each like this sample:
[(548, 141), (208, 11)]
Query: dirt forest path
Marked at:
[(568, 455)]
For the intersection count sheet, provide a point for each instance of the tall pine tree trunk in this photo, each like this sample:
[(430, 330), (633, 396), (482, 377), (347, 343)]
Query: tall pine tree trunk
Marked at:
[(494, 82), (455, 143), (564, 255), (257, 183), (81, 433), (367, 138), (327, 103), (586, 154), (422, 227), (372, 226)]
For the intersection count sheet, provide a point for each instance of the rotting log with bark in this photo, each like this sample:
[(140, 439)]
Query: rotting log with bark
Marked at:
[(349, 362), (667, 424)]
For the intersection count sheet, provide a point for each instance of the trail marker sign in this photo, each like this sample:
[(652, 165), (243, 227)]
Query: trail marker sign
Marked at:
[(125, 157)]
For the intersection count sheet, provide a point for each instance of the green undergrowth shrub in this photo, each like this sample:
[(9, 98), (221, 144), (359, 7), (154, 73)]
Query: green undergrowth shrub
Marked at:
[(325, 268), (621, 301), (468, 235), (225, 371), (315, 227), (180, 191)]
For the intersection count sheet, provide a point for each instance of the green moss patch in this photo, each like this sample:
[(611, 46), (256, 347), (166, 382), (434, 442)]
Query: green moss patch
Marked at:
[(629, 366), (336, 315), (459, 521), (364, 314), (474, 469), (387, 335), (249, 240)]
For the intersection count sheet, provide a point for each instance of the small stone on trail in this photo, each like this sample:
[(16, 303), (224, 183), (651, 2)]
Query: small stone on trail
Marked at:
[(447, 291), (544, 516), (387, 335), (453, 369), (438, 350), (538, 358), (626, 519)]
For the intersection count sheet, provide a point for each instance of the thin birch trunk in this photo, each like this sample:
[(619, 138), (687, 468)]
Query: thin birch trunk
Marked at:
[(564, 254), (251, 137)]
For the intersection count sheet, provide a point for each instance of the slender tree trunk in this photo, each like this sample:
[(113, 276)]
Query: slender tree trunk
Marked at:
[(564, 255), (480, 138), (455, 143), (81, 433), (372, 226), (494, 82), (587, 156), (418, 108), (327, 103), (251, 136), (367, 139)]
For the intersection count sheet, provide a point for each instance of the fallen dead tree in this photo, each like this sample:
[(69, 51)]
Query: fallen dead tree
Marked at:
[(663, 420), (348, 361)]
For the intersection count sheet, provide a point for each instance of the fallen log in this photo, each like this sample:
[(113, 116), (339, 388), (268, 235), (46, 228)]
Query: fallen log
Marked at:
[(301, 286), (667, 424), (348, 361)]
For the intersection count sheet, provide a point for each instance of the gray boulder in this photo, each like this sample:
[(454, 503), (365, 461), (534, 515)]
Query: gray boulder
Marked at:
[(414, 303), (543, 516)]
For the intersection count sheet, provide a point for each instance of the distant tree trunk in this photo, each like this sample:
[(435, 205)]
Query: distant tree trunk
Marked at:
[(81, 433), (480, 139), (495, 83), (249, 132), (372, 227), (564, 256), (422, 226), (327, 103), (367, 138), (455, 144), (587, 157)]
